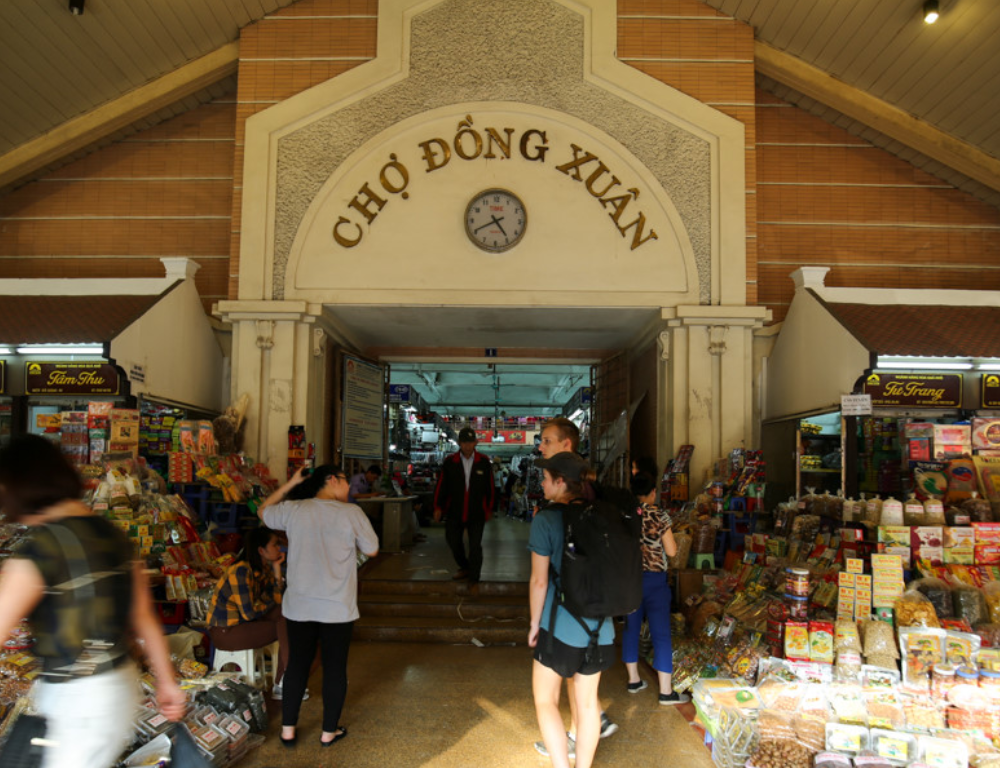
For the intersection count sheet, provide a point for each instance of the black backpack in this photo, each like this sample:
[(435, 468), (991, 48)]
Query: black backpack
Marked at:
[(601, 573)]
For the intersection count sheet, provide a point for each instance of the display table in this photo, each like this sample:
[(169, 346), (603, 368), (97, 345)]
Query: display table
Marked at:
[(394, 514)]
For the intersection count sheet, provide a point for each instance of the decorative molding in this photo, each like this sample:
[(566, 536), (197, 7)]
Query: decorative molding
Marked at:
[(318, 342), (664, 342), (717, 339), (265, 334)]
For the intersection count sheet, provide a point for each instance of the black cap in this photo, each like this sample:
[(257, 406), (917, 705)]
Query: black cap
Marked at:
[(567, 464), (467, 435)]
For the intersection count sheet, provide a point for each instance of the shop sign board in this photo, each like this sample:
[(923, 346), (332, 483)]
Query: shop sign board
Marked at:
[(515, 436), (364, 389), (71, 379), (3, 376), (399, 393), (915, 390), (990, 389), (856, 405)]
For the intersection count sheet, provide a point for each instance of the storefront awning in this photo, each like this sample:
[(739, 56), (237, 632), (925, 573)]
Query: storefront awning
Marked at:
[(69, 319), (922, 331), (832, 336)]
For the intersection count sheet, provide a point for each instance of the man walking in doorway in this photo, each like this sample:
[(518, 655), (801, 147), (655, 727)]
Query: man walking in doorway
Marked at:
[(464, 497)]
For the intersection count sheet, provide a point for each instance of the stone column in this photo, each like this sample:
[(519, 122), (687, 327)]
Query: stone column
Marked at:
[(708, 382), (274, 362)]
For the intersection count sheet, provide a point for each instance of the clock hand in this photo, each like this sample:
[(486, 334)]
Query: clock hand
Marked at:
[(497, 221), (490, 223)]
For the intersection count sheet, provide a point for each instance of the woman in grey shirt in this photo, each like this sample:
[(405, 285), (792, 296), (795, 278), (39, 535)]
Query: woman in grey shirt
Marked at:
[(320, 604)]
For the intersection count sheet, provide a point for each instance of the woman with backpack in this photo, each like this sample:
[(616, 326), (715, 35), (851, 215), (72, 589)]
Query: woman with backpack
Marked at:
[(563, 649)]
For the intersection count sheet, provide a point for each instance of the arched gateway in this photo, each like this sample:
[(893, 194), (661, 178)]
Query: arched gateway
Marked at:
[(388, 192)]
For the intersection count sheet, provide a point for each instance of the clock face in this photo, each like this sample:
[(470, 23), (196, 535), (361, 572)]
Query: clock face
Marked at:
[(495, 220)]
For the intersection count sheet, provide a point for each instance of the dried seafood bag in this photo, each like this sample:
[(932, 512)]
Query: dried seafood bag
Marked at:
[(846, 637), (938, 593), (970, 604)]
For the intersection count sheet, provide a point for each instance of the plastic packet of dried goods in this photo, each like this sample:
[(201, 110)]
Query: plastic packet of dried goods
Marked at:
[(874, 678), (885, 661), (970, 604), (961, 647), (884, 709), (991, 591), (921, 713), (846, 637), (780, 695), (978, 510), (938, 592), (848, 667), (879, 639), (832, 760), (913, 609), (897, 748), (849, 739), (962, 484), (989, 635), (810, 731), (922, 648), (848, 704)]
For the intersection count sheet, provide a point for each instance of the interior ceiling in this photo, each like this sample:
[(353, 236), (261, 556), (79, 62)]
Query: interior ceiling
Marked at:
[(437, 351), (59, 67), (500, 389), (395, 330)]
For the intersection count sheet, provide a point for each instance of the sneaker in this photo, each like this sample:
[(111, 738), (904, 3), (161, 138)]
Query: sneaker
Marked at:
[(608, 728), (668, 699), (636, 687), (570, 747), (276, 693)]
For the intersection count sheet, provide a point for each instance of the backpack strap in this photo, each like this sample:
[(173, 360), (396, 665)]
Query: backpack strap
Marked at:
[(593, 634)]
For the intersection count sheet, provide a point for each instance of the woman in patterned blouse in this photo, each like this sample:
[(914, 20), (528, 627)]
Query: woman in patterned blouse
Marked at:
[(657, 545), (245, 611)]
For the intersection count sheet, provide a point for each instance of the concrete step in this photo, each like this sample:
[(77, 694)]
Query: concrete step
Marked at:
[(408, 611), (480, 607), (407, 629), (408, 587)]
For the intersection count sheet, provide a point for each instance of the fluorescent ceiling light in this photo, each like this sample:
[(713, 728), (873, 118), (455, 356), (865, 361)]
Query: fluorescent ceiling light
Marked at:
[(926, 366), (68, 349), (4, 350)]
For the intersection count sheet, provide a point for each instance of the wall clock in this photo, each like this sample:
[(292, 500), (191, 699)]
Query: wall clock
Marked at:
[(495, 220)]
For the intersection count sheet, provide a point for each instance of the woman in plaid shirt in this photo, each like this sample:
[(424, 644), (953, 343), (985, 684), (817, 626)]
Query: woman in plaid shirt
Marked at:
[(245, 611)]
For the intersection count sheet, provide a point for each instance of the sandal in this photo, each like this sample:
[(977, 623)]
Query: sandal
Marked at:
[(340, 733)]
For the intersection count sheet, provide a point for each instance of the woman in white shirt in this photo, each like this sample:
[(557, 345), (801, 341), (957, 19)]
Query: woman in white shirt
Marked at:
[(320, 604)]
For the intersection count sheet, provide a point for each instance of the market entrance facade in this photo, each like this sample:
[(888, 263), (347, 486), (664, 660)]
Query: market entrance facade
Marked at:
[(425, 201)]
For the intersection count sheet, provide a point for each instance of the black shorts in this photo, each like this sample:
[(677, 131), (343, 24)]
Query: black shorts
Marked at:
[(566, 660)]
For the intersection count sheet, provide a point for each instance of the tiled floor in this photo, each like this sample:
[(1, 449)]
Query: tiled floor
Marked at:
[(445, 706)]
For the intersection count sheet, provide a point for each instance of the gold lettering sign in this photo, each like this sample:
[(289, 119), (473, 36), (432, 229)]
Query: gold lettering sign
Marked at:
[(912, 390), (72, 379), (617, 198)]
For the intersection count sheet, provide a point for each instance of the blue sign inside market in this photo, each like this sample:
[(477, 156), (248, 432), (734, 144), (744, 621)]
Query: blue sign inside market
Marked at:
[(399, 393)]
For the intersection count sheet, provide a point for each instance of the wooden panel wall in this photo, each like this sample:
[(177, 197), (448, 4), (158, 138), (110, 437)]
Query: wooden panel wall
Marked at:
[(284, 54), (827, 198), (165, 191), (704, 54), (815, 194)]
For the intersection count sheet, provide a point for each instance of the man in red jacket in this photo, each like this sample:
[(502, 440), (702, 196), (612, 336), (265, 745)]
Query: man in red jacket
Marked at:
[(464, 497)]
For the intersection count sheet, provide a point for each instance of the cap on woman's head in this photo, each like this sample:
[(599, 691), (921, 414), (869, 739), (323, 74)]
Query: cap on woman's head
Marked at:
[(566, 464)]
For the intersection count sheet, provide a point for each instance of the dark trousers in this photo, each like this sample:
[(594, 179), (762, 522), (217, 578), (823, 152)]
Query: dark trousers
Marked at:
[(334, 641), (455, 531), (255, 634)]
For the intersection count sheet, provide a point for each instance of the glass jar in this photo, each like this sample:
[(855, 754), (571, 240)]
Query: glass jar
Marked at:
[(968, 675), (942, 680), (796, 582), (798, 607), (990, 679)]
